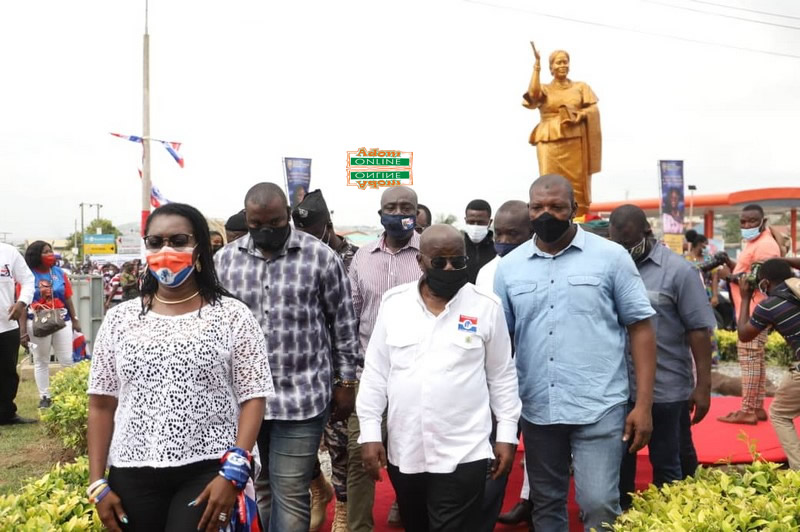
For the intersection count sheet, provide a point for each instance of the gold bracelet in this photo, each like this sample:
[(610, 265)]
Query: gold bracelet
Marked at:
[(345, 384)]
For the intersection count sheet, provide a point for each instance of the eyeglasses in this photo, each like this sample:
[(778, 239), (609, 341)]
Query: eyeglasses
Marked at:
[(180, 240), (458, 262)]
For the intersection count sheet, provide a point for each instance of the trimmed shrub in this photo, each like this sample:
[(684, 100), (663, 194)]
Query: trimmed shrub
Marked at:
[(55, 502), (67, 416), (761, 497), (776, 349)]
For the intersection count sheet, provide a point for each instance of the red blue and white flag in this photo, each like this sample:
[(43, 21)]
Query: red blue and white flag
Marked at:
[(156, 198), (131, 138), (172, 148), (467, 323)]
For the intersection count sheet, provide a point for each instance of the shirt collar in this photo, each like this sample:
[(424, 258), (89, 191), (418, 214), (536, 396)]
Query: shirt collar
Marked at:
[(657, 253), (421, 302), (293, 242), (380, 244), (578, 241)]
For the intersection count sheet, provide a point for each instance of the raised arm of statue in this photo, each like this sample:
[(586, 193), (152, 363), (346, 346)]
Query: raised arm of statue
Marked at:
[(535, 87)]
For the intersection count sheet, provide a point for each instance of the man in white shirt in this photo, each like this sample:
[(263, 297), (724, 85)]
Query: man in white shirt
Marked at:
[(440, 358), (512, 227), (13, 271)]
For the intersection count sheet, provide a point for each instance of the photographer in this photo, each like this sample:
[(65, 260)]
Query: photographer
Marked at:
[(760, 246), (780, 311)]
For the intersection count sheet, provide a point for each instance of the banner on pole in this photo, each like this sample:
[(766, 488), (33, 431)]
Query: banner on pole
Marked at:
[(672, 204), (298, 178), (672, 197)]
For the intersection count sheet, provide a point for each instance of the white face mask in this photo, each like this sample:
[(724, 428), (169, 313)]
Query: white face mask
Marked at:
[(476, 233)]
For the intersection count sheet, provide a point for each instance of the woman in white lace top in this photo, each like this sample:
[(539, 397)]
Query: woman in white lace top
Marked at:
[(177, 389)]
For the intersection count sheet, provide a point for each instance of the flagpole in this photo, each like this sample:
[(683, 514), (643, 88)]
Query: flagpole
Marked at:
[(146, 181)]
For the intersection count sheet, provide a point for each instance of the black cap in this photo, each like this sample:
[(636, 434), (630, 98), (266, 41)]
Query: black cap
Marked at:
[(311, 211), (236, 223)]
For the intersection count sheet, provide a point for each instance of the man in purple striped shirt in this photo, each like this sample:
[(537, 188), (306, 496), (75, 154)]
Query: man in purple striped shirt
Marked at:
[(380, 265)]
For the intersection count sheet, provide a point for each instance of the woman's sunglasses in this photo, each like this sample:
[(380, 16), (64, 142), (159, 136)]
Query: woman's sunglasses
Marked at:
[(181, 240)]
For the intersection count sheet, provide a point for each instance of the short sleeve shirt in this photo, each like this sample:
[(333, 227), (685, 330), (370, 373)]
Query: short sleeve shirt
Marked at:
[(782, 314), (679, 298), (567, 314)]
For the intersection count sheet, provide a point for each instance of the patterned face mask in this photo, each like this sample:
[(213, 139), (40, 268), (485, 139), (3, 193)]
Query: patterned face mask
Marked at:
[(638, 251), (171, 267)]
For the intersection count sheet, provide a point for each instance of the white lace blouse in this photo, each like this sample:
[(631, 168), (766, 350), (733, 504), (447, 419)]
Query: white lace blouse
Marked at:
[(179, 380)]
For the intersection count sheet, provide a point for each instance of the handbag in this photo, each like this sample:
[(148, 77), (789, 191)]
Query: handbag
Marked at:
[(46, 321)]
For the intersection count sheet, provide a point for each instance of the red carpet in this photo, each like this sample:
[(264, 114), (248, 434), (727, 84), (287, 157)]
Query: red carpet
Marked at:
[(714, 441)]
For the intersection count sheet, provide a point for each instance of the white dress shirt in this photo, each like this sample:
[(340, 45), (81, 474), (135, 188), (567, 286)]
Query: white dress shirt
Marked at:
[(485, 278), (442, 377), (13, 270)]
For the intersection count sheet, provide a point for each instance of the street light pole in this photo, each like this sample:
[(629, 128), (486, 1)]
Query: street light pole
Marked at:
[(83, 237)]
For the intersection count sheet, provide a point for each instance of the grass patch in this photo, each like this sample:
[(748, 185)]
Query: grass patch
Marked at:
[(27, 450)]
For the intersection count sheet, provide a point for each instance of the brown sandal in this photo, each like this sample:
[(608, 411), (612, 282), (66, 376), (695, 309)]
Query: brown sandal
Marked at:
[(739, 417)]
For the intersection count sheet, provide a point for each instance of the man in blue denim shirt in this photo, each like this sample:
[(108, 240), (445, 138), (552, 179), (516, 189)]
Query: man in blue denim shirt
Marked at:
[(570, 299)]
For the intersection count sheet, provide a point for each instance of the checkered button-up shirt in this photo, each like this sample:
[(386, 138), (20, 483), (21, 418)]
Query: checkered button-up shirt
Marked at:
[(301, 298)]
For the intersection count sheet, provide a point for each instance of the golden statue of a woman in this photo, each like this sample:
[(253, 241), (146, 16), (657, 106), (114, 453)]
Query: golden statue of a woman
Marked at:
[(567, 138)]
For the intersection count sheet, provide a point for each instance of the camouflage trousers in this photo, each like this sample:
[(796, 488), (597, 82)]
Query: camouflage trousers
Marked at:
[(334, 439)]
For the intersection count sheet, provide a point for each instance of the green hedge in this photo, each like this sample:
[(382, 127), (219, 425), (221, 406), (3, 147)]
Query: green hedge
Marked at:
[(761, 497), (69, 411), (777, 351), (55, 502)]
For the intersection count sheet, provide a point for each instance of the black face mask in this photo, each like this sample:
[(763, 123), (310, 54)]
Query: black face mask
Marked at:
[(270, 238), (446, 283), (549, 228)]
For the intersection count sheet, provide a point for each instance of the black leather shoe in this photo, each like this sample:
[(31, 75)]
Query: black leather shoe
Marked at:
[(520, 513), (17, 420)]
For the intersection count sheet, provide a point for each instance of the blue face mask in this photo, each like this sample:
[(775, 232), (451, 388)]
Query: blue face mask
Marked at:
[(504, 249), (399, 226), (751, 233)]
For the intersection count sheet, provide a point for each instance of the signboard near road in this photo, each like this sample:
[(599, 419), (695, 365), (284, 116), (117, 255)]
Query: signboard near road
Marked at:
[(129, 244), (100, 245)]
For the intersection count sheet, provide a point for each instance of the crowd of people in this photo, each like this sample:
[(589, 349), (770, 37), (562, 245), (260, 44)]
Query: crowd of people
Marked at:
[(228, 361)]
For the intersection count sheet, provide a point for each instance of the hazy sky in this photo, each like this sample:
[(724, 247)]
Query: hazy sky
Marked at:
[(244, 83)]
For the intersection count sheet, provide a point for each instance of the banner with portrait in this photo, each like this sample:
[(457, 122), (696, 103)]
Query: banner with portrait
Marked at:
[(298, 178), (673, 206), (672, 197)]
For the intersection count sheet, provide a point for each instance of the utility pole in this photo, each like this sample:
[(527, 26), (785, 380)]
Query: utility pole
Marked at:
[(83, 237), (5, 234), (99, 206), (146, 180)]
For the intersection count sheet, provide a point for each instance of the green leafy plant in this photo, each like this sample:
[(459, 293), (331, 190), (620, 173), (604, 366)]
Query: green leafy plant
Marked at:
[(760, 496), (776, 349), (69, 411), (55, 502)]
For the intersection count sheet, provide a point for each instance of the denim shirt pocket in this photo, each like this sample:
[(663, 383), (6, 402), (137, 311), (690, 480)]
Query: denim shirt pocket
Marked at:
[(524, 300), (583, 293)]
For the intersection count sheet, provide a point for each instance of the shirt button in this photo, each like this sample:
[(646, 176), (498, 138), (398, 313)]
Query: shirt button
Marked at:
[(552, 385), (551, 359), (550, 333), (551, 281), (551, 306)]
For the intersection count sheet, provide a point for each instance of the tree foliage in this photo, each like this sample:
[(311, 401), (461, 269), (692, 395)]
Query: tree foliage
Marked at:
[(105, 226)]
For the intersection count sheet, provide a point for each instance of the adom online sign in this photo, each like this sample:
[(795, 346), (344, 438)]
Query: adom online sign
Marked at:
[(377, 168)]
